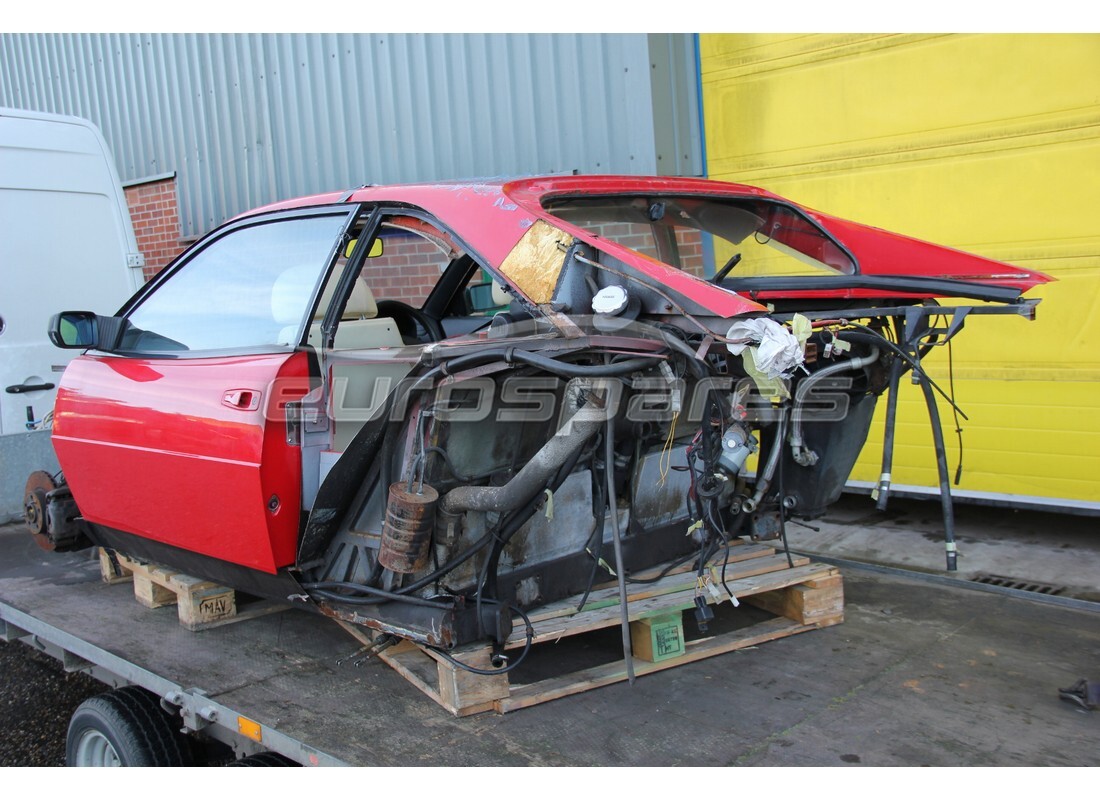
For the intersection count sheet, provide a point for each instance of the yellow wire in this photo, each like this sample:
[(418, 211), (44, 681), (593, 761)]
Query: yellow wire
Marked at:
[(665, 461)]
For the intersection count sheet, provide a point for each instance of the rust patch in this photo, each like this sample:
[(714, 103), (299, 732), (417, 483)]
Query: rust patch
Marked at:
[(535, 263)]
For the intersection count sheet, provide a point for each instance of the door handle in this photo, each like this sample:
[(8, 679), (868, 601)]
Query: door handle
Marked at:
[(242, 399), (22, 388)]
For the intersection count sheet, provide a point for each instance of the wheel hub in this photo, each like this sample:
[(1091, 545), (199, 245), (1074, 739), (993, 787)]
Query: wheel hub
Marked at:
[(96, 750), (39, 484)]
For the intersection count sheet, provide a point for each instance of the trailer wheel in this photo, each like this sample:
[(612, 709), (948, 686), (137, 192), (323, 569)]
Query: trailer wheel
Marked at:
[(124, 728), (264, 760)]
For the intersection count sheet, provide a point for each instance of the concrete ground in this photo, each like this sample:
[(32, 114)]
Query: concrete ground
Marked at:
[(1029, 547)]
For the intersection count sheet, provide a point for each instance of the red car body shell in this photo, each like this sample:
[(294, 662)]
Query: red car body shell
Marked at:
[(492, 217), (163, 449)]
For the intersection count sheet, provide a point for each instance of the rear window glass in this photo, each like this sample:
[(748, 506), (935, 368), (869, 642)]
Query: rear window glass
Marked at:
[(705, 235)]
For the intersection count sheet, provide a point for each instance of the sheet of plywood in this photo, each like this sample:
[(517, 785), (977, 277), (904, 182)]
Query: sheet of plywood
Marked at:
[(535, 263)]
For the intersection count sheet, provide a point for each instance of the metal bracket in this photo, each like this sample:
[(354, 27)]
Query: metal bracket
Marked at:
[(71, 662), (13, 633), (917, 327), (193, 706)]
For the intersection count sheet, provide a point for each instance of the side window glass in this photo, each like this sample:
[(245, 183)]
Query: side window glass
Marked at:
[(414, 255), (416, 284), (481, 296), (249, 288)]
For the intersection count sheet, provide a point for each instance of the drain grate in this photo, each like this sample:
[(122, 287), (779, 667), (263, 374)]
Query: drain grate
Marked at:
[(1018, 583)]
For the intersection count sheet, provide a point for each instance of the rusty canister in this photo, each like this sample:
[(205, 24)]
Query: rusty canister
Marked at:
[(407, 530)]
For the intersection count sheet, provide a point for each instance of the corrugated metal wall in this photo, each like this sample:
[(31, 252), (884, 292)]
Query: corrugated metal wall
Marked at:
[(248, 119), (988, 143)]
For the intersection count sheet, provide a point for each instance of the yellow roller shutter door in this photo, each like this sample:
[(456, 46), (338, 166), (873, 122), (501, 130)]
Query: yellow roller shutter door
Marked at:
[(987, 143)]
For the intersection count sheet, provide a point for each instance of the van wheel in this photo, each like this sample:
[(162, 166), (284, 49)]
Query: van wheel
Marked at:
[(124, 728), (264, 760)]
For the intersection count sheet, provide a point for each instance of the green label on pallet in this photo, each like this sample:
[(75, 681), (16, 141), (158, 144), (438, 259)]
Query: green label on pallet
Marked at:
[(658, 638), (668, 640)]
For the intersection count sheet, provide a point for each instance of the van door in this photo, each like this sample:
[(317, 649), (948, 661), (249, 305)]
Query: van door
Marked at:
[(180, 435), (65, 235)]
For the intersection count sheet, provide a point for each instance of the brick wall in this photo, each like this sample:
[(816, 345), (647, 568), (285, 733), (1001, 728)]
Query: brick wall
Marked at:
[(690, 244), (639, 237), (154, 210), (407, 269)]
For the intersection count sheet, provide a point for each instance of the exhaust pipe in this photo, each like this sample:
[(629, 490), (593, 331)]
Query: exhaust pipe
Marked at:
[(530, 480)]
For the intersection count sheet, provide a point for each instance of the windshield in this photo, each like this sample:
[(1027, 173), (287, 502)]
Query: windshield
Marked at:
[(707, 236)]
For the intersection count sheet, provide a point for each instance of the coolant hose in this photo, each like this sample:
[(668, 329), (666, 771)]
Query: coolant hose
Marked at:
[(566, 369), (888, 436), (765, 478), (798, 449), (941, 467)]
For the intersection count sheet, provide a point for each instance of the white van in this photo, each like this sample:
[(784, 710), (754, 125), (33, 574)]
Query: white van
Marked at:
[(66, 241)]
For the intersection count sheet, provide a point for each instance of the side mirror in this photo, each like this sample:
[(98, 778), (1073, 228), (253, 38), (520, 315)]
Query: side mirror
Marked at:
[(81, 330), (74, 330), (483, 298)]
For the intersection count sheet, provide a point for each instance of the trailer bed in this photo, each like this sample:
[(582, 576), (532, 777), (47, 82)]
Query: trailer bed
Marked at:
[(919, 673)]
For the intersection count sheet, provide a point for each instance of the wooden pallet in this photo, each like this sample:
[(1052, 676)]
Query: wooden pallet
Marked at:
[(805, 597), (201, 604)]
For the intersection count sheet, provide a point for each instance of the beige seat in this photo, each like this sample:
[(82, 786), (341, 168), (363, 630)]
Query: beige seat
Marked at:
[(360, 326), (501, 296), (357, 386)]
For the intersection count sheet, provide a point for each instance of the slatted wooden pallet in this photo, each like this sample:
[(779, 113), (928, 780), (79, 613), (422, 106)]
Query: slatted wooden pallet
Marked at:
[(201, 604), (805, 597)]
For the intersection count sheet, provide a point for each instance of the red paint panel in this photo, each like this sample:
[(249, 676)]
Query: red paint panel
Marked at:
[(149, 448), (720, 302), (881, 252), (492, 217), (487, 221), (877, 252)]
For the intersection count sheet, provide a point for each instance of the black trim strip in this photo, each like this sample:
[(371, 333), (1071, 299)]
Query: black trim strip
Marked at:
[(906, 284)]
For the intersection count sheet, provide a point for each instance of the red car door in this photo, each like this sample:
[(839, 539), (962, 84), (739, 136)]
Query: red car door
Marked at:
[(179, 434)]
